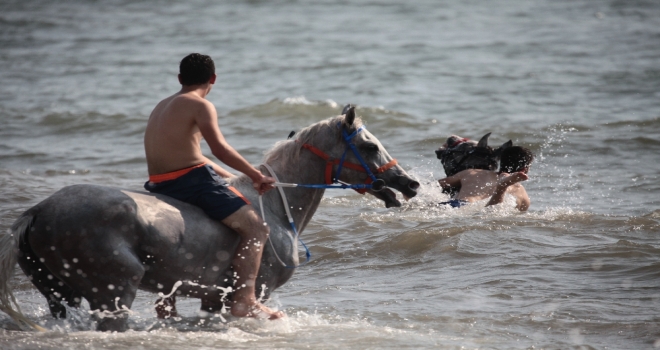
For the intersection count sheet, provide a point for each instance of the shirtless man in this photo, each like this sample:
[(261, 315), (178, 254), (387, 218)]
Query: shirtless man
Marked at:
[(178, 168), (478, 184)]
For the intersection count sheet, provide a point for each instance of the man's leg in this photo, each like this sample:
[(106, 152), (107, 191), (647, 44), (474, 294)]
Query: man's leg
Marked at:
[(253, 233)]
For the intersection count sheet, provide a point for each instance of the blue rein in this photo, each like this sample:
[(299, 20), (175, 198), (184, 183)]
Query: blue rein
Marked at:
[(351, 145)]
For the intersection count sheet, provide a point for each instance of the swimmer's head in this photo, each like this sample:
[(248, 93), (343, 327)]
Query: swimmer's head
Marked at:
[(196, 69), (515, 159)]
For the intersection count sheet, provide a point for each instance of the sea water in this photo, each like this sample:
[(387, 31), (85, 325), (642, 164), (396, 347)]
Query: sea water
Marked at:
[(577, 82)]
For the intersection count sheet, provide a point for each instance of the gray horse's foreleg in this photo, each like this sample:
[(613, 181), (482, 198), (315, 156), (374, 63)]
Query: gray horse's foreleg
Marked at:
[(214, 306), (166, 307)]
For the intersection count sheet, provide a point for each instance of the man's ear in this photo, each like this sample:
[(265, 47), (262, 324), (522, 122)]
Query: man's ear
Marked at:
[(213, 77), (179, 76)]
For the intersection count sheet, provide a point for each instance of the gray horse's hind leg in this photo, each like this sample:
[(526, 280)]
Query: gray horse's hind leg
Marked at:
[(50, 286), (111, 288), (108, 281)]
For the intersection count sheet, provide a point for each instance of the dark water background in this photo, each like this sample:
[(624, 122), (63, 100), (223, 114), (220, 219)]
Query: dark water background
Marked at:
[(578, 82)]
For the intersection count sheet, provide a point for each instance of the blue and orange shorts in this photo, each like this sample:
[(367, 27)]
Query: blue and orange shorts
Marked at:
[(455, 203), (201, 186)]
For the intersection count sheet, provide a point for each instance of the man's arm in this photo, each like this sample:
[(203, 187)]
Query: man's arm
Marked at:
[(218, 169), (207, 121), (451, 181), (522, 200)]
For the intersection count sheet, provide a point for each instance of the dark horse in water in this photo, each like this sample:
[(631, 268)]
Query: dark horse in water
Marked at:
[(458, 154), (103, 244)]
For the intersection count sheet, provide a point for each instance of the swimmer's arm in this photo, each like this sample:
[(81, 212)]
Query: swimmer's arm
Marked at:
[(510, 184), (449, 182), (522, 199), (498, 196)]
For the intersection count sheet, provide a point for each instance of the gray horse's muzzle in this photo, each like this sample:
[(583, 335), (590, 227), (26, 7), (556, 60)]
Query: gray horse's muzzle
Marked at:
[(402, 183)]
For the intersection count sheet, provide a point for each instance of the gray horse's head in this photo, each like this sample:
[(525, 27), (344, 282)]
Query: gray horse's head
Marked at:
[(377, 157), (458, 154), (330, 137)]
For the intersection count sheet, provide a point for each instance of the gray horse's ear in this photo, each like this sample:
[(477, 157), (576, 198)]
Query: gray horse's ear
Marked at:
[(484, 141), (349, 112), (346, 108)]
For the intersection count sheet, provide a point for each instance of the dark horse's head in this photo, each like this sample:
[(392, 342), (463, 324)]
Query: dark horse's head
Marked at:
[(458, 154)]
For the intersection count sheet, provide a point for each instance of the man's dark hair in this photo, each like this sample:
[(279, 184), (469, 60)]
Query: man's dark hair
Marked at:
[(196, 69), (515, 159)]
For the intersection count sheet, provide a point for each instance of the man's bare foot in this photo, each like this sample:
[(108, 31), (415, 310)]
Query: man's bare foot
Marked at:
[(257, 310), (166, 307)]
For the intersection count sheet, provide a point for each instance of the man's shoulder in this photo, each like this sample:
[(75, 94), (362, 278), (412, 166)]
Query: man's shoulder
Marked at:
[(189, 100), (192, 105)]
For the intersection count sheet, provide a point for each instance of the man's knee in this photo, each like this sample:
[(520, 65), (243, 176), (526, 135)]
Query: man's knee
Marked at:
[(247, 221), (260, 227), (264, 231)]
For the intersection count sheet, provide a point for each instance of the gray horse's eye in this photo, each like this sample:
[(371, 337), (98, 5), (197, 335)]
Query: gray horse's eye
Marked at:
[(369, 147)]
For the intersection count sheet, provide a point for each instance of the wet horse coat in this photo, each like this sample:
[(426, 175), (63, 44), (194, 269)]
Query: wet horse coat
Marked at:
[(458, 154), (103, 244)]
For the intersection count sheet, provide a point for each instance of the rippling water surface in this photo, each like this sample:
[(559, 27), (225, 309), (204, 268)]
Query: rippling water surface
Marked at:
[(578, 82)]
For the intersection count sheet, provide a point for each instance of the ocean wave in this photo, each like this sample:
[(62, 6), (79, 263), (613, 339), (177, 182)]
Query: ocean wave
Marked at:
[(644, 125), (88, 122), (299, 108)]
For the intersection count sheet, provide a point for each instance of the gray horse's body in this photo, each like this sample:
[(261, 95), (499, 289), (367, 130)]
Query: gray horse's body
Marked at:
[(154, 240), (102, 244)]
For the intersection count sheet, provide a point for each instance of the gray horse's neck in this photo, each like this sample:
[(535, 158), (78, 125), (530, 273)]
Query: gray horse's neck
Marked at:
[(305, 168)]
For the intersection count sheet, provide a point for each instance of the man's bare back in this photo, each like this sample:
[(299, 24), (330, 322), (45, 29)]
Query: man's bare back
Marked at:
[(172, 138), (176, 163), (478, 184)]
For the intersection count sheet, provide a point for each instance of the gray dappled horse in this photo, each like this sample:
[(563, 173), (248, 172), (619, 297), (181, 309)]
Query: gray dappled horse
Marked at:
[(103, 244)]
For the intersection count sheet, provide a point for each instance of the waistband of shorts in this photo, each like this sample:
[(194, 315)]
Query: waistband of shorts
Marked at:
[(174, 174)]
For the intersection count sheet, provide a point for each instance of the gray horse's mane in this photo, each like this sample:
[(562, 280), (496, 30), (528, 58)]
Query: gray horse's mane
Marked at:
[(290, 150)]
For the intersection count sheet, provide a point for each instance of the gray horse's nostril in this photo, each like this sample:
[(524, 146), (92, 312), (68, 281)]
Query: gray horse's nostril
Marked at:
[(378, 185), (413, 185)]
